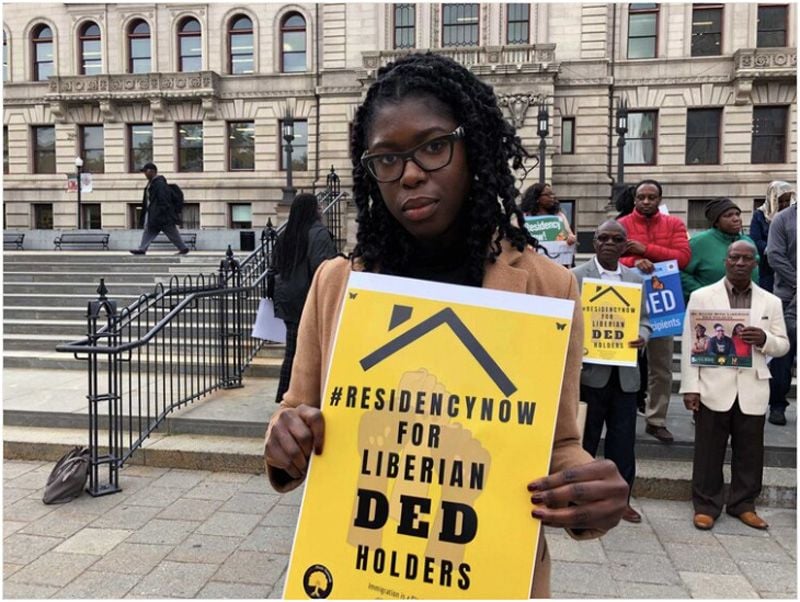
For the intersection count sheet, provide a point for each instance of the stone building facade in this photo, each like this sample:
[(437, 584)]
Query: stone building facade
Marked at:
[(202, 90)]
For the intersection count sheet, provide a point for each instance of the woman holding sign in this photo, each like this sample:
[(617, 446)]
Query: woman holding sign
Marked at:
[(435, 194), (540, 200)]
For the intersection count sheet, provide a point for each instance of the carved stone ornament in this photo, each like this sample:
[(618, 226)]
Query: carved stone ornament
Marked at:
[(743, 88), (210, 108), (158, 109), (517, 105), (58, 109), (107, 110)]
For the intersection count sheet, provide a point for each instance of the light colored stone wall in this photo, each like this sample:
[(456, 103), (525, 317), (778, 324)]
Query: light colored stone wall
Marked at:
[(589, 63)]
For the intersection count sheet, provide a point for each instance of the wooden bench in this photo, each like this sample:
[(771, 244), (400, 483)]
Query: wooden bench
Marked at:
[(13, 238), (189, 239), (85, 239)]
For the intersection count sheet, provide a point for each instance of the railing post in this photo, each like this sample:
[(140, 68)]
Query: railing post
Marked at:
[(230, 323), (95, 398)]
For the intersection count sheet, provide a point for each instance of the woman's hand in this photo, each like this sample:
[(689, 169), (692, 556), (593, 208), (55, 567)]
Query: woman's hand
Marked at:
[(591, 496), (571, 239), (295, 433)]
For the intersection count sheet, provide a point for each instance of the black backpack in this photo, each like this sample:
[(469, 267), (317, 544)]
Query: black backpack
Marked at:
[(177, 201), (68, 477)]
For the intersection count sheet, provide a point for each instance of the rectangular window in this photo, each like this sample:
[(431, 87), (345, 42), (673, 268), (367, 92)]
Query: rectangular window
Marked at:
[(706, 30), (702, 136), (518, 23), (567, 135), (696, 216), (771, 29), (299, 146), (241, 146), (44, 149), (91, 150), (642, 30), (5, 149), (191, 216), (140, 145), (134, 216), (769, 135), (640, 144), (460, 24), (241, 216), (405, 25), (90, 216), (190, 147), (43, 216)]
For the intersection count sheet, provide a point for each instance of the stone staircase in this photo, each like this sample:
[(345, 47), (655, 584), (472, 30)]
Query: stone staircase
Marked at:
[(45, 295)]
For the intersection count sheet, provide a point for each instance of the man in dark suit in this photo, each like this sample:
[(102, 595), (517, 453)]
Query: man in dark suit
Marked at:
[(159, 213), (610, 391)]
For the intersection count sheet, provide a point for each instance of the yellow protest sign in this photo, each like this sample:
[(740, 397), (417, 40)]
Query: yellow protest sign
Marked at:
[(611, 313), (435, 422)]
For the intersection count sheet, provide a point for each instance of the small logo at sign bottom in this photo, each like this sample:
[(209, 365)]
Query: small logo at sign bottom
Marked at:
[(317, 581)]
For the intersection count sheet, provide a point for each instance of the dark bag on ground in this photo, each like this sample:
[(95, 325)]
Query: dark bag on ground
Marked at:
[(68, 477)]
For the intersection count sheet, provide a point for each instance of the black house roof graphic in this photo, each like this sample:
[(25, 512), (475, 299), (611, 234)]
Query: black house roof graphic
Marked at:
[(609, 289), (445, 317)]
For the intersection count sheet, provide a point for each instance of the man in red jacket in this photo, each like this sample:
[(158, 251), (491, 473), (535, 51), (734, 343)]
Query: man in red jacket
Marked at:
[(654, 237)]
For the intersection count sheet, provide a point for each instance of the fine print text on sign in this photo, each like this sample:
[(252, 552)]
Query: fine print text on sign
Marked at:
[(420, 491), (611, 313)]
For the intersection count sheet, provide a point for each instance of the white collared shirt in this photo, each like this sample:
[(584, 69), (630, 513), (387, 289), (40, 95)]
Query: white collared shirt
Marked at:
[(605, 274)]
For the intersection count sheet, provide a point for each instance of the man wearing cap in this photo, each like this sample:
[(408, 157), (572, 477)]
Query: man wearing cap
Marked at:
[(731, 403), (710, 247), (159, 213), (654, 237)]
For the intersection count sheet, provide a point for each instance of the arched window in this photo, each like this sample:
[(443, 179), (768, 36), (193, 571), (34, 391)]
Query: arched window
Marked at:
[(240, 45), (293, 43), (139, 47), (190, 45), (91, 55), (42, 40)]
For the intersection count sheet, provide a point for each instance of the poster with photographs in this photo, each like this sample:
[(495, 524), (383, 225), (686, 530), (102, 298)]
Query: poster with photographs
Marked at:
[(717, 340)]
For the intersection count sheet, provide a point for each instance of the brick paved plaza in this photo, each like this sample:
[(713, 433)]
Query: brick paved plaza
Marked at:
[(175, 533)]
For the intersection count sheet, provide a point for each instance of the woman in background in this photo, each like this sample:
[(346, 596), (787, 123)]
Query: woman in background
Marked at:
[(540, 200), (779, 196), (302, 246)]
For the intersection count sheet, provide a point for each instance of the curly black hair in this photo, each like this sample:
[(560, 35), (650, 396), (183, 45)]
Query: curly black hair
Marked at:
[(490, 141), (530, 200)]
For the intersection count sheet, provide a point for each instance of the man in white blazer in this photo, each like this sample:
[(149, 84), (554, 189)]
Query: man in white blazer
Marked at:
[(732, 401), (610, 391)]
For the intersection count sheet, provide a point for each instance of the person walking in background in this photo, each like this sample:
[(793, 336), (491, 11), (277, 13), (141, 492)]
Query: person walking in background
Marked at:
[(779, 196), (300, 249), (653, 237), (610, 391), (729, 402), (160, 212), (782, 257), (710, 246), (540, 200)]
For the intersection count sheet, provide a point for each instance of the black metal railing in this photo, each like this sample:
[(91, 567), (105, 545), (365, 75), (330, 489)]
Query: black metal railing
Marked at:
[(187, 338)]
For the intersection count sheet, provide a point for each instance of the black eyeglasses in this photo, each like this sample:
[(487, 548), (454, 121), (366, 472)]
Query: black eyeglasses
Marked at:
[(616, 239), (431, 155)]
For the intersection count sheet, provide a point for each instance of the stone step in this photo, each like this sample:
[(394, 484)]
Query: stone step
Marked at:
[(84, 288), (83, 276), (261, 367), (660, 479), (113, 257), (45, 299)]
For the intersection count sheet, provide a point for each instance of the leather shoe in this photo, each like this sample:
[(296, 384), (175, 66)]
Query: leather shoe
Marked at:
[(659, 432), (777, 417), (137, 252), (704, 522), (751, 519), (631, 515)]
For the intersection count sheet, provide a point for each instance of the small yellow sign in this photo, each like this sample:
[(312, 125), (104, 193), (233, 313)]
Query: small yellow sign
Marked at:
[(439, 409), (611, 314)]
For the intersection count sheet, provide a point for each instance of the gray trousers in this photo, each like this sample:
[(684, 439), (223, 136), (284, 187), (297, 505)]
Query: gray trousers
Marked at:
[(171, 231)]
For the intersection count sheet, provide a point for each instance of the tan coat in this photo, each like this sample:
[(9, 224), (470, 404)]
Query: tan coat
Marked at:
[(513, 271)]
